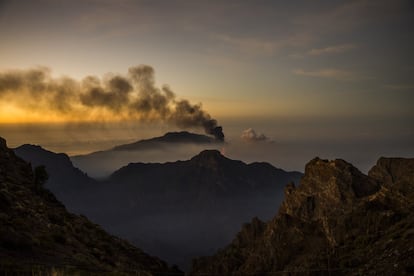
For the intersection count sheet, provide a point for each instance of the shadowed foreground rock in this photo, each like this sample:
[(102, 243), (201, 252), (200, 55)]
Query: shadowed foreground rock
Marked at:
[(38, 234), (338, 221)]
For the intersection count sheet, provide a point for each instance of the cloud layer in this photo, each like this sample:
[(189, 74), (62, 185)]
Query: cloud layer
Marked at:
[(337, 49), (329, 73)]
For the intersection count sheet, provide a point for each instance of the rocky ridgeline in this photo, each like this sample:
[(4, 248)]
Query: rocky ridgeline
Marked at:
[(338, 221), (38, 234)]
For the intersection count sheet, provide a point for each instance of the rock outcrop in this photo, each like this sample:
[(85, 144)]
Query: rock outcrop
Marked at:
[(37, 234), (337, 221)]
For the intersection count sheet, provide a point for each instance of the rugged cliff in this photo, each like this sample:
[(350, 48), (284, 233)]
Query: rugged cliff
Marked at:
[(38, 234), (337, 220)]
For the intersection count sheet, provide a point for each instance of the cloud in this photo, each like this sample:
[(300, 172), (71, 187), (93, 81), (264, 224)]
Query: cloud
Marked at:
[(330, 50), (248, 45), (249, 135), (329, 73), (400, 86), (263, 46), (337, 49)]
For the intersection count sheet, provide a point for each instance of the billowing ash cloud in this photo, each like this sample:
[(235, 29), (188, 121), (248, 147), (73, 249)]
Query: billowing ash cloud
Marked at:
[(249, 135), (133, 96)]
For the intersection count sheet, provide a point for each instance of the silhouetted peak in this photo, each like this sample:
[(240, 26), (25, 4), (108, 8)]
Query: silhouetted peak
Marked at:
[(214, 160), (179, 133), (185, 136), (210, 153), (30, 146), (40, 152), (209, 156), (181, 137)]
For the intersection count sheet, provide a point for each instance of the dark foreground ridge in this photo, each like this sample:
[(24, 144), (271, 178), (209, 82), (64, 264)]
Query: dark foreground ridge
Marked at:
[(38, 234), (338, 221)]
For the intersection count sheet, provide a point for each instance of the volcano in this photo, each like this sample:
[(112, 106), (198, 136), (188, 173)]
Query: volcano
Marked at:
[(170, 147), (182, 137)]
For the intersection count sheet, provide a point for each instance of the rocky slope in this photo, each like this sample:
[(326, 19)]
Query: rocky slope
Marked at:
[(337, 221), (37, 233)]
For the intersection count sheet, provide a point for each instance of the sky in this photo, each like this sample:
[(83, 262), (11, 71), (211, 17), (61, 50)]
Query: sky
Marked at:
[(290, 70)]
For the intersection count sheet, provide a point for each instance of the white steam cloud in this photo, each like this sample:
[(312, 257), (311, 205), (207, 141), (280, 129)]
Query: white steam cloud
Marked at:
[(249, 135)]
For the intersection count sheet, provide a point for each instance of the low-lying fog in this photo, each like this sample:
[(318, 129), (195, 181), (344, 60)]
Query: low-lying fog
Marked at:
[(285, 155), (288, 144)]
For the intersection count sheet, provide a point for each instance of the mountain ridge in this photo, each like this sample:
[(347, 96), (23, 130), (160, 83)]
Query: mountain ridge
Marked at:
[(207, 196), (337, 220), (210, 195), (208, 164)]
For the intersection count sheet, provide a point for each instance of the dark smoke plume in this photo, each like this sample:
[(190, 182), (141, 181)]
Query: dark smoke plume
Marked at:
[(134, 96)]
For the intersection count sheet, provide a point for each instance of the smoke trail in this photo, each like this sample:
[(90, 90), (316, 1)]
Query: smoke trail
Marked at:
[(133, 96)]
